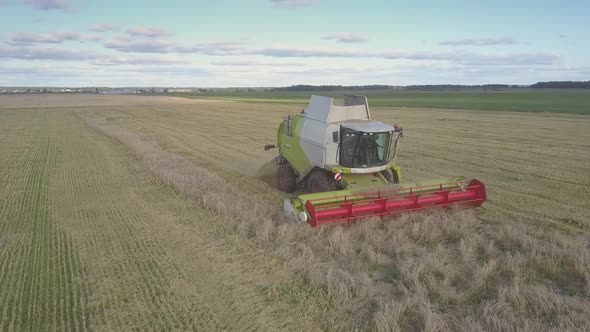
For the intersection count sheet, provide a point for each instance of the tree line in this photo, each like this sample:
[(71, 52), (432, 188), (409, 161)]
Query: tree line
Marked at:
[(436, 87), (562, 85), (301, 87)]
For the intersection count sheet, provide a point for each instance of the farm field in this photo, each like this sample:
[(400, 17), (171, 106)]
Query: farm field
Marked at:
[(518, 100), (140, 212)]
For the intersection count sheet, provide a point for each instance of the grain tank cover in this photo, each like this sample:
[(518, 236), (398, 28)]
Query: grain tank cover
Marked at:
[(323, 109)]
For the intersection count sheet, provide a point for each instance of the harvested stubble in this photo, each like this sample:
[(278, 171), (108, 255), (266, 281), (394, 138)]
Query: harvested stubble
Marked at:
[(434, 271)]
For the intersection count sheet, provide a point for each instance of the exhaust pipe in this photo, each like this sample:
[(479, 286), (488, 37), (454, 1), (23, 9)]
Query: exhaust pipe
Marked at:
[(269, 146)]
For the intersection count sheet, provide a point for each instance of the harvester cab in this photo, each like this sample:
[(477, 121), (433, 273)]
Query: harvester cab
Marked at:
[(345, 164)]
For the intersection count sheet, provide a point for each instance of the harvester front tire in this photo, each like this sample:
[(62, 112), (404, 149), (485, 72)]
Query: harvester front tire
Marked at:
[(320, 182), (391, 176), (286, 179)]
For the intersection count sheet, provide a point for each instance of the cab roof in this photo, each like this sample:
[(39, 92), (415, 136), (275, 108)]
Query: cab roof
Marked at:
[(369, 126)]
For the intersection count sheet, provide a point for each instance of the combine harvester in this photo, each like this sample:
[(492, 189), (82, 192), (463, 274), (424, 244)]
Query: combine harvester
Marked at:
[(345, 164)]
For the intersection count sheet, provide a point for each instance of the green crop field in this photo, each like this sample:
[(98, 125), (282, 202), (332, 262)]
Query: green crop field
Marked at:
[(134, 213), (519, 100)]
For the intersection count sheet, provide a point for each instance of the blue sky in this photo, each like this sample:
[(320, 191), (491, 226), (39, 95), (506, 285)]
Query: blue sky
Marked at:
[(283, 42)]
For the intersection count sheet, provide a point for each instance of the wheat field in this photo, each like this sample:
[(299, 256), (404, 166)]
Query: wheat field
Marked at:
[(158, 213)]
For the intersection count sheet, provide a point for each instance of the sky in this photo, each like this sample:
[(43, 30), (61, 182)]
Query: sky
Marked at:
[(243, 43)]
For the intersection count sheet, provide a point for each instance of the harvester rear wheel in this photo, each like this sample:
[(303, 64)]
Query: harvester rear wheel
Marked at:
[(286, 178), (320, 181)]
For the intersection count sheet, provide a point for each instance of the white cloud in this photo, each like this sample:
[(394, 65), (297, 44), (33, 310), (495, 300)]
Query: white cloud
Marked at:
[(126, 44), (347, 37), (176, 71), (480, 42), (52, 38), (104, 27), (49, 4), (457, 57), (250, 63), (140, 55), (137, 61), (141, 44), (44, 53), (145, 45), (149, 32), (19, 73)]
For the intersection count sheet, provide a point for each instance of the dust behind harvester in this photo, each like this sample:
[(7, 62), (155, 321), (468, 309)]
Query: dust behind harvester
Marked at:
[(345, 163)]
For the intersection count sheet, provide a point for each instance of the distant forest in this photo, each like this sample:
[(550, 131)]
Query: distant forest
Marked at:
[(562, 85), (539, 85), (332, 87)]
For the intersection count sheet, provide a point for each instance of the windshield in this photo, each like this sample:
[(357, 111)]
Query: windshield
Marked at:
[(362, 150)]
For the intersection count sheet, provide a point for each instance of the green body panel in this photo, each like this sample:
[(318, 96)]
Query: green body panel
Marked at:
[(356, 181), (398, 171), (290, 147), (332, 197), (346, 170)]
